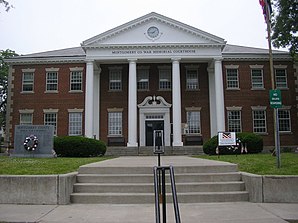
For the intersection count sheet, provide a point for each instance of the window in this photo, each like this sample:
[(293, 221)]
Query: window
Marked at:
[(192, 80), (193, 122), (76, 80), (75, 123), (284, 120), (28, 82), (165, 82), (52, 81), (115, 123), (257, 79), (281, 78), (26, 119), (232, 79), (234, 121), (259, 121), (143, 79), (51, 119), (115, 79)]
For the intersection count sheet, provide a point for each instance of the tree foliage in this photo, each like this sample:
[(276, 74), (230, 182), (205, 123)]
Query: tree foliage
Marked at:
[(285, 25), (4, 54), (6, 5)]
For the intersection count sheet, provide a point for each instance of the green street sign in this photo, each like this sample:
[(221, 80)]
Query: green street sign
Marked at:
[(275, 99)]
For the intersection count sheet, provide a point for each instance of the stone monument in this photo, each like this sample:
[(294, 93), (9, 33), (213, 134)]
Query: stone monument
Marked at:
[(33, 141)]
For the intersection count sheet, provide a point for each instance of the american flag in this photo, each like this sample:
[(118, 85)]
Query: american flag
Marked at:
[(226, 135)]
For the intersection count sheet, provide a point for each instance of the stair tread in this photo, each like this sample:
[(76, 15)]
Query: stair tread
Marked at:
[(151, 174)]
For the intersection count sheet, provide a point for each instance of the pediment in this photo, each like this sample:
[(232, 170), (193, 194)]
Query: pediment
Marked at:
[(154, 102), (135, 32)]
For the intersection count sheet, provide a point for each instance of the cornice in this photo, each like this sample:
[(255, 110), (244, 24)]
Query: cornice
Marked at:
[(45, 60)]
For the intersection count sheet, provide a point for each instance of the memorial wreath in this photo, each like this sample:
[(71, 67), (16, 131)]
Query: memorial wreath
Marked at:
[(31, 143)]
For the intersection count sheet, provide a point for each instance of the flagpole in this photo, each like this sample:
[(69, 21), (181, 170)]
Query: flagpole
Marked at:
[(275, 111)]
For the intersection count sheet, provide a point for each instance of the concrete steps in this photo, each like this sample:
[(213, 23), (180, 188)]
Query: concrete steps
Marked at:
[(134, 185)]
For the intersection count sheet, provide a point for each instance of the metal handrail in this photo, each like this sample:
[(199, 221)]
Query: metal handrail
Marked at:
[(160, 189)]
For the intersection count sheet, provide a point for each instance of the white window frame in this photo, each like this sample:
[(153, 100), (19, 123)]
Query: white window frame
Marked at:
[(115, 123), (234, 124), (194, 122), (232, 80), (50, 81), (115, 78), (54, 122), (165, 78), (281, 81), (75, 124), (257, 82), (26, 113), (143, 78), (192, 79), (259, 121), (283, 120), (78, 81), (29, 82)]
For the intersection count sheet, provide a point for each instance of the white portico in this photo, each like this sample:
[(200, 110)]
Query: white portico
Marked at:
[(153, 38)]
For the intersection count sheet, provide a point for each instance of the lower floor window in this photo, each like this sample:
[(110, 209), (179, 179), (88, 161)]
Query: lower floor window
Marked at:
[(234, 121), (75, 124), (193, 122), (51, 119), (259, 121), (115, 123), (284, 120), (26, 119)]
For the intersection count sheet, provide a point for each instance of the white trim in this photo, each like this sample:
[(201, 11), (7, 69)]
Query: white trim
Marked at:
[(76, 68), (256, 66), (231, 66), (26, 111), (28, 70), (50, 110), (75, 110), (52, 69)]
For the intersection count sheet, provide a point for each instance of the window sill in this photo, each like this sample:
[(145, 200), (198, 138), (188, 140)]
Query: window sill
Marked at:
[(78, 91), (257, 89), (51, 92), (27, 92), (233, 89)]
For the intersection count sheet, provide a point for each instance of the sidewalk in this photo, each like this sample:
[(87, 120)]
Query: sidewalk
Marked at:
[(190, 213), (232, 212)]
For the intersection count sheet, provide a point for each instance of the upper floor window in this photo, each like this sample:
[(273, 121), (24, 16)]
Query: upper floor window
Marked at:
[(75, 119), (28, 82), (234, 120), (232, 76), (192, 79), (284, 120), (115, 123), (143, 78), (257, 80), (193, 122), (259, 120), (76, 80), (165, 76), (281, 78), (52, 81), (115, 79)]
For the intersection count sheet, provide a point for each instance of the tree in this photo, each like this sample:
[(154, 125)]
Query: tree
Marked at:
[(284, 25), (6, 5), (4, 54)]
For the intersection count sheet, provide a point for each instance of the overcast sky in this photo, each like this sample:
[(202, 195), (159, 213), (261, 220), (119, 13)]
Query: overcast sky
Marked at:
[(43, 25)]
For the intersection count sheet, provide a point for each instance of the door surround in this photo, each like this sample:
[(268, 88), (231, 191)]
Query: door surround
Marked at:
[(154, 108)]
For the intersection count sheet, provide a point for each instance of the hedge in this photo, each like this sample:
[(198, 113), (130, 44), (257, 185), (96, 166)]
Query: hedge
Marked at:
[(253, 142), (78, 146)]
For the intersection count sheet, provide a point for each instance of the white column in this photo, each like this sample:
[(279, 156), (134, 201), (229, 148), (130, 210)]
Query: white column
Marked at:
[(176, 101), (212, 105), (219, 95), (89, 100), (96, 104), (132, 104)]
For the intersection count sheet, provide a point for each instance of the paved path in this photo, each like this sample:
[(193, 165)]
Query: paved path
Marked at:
[(237, 212)]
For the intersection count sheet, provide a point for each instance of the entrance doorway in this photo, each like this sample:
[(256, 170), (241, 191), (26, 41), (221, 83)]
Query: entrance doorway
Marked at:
[(150, 127)]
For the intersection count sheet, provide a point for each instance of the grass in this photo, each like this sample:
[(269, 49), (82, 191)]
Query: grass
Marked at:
[(43, 166), (262, 164)]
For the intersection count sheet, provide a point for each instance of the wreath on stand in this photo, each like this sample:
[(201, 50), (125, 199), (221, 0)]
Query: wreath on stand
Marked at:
[(31, 143)]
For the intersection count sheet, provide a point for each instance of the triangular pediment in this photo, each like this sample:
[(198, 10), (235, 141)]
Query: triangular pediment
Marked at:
[(167, 31)]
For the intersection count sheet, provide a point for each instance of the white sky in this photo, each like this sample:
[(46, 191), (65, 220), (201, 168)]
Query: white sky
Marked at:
[(42, 25)]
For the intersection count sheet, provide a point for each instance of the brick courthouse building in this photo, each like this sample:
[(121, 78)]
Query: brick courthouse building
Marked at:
[(153, 73)]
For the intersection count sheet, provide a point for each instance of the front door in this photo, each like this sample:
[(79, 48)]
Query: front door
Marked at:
[(150, 127)]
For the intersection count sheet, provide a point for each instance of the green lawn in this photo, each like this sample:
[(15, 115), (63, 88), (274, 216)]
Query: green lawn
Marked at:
[(262, 164), (42, 166)]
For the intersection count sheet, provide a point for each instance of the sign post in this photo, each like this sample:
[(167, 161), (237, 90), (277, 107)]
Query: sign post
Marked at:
[(275, 103)]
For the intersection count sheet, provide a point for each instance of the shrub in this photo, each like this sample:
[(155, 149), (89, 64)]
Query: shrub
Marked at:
[(78, 146), (253, 142)]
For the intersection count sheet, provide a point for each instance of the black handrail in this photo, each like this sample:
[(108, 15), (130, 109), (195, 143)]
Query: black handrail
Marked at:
[(161, 190)]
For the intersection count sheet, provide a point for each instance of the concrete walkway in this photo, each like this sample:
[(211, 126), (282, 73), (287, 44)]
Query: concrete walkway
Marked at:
[(236, 212)]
